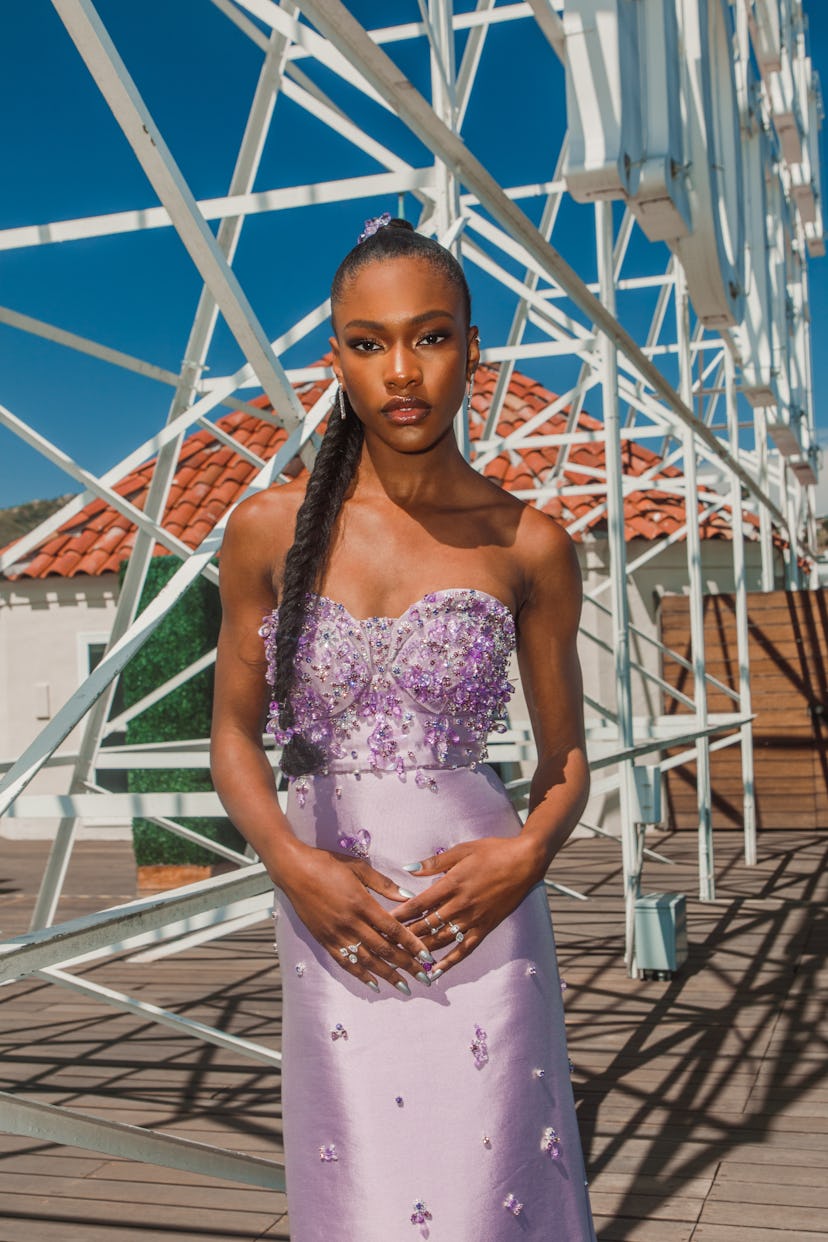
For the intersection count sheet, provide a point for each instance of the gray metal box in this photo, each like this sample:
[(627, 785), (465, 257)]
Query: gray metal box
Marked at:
[(660, 932)]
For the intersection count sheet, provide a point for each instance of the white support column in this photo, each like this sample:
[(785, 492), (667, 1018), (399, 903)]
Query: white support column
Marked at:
[(742, 634), (707, 884), (630, 842), (760, 425), (791, 488)]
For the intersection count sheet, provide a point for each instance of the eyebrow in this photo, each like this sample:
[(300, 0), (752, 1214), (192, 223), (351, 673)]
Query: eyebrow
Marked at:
[(373, 326)]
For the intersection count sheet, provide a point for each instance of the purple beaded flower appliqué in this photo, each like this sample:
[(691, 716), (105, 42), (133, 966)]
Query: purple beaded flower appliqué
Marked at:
[(551, 1143), (479, 1047), (359, 844), (421, 1216), (513, 1204), (339, 1032), (327, 1153)]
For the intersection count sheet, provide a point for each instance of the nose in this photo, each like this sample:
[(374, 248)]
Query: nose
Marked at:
[(403, 368)]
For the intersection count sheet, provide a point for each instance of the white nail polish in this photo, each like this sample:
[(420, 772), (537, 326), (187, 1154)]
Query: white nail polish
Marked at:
[(413, 867), (404, 892), (403, 987)]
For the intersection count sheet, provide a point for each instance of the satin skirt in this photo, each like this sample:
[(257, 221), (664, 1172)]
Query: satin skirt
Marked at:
[(448, 1114)]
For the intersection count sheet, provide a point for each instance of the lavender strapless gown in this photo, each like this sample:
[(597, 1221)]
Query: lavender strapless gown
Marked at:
[(447, 1115)]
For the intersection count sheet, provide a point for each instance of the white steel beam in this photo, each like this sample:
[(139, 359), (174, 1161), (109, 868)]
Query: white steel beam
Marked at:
[(707, 875), (54, 1124), (164, 1017), (742, 627), (110, 930), (620, 606)]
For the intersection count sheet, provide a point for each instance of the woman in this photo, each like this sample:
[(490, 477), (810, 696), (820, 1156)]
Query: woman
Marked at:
[(425, 1079)]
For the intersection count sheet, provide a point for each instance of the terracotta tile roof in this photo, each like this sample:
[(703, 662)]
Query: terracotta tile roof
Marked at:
[(211, 477)]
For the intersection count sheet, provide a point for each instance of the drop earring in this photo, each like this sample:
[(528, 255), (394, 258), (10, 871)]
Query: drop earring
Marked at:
[(343, 412), (469, 389)]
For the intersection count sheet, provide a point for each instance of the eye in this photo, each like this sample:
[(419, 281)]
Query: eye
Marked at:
[(433, 338), (364, 345)]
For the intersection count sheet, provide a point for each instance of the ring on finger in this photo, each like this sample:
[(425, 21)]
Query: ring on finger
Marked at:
[(456, 932), (349, 951)]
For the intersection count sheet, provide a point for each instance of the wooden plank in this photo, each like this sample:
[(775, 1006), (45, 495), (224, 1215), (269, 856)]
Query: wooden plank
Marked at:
[(798, 1221), (798, 1194), (705, 1232)]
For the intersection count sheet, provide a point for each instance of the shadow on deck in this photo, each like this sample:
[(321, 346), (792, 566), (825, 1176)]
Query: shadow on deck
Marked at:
[(703, 1101)]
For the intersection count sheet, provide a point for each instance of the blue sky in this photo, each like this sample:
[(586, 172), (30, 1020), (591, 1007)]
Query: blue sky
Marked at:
[(64, 156)]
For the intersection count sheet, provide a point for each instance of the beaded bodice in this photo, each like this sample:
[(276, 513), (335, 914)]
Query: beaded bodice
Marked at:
[(415, 692)]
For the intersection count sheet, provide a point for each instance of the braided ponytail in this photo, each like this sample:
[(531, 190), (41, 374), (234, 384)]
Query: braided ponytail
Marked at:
[(332, 473)]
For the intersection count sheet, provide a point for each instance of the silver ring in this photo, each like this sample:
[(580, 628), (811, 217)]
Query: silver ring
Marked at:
[(456, 932), (350, 951), (436, 914)]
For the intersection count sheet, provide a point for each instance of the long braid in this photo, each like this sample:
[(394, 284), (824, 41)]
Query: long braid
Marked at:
[(330, 478)]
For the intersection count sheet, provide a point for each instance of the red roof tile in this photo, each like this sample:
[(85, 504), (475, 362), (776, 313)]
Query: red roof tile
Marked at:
[(211, 477)]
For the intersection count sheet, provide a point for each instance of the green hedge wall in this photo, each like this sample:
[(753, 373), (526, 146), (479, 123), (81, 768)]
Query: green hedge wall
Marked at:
[(189, 630)]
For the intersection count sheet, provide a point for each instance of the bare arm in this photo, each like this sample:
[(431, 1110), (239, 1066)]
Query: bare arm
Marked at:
[(329, 892), (551, 677), (241, 771)]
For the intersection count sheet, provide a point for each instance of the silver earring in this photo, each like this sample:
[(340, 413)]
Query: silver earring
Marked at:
[(470, 389), (343, 413)]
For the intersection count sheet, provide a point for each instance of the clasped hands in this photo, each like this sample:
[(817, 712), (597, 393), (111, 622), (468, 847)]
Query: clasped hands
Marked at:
[(476, 884)]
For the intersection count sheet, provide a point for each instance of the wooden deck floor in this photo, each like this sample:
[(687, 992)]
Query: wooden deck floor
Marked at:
[(703, 1102)]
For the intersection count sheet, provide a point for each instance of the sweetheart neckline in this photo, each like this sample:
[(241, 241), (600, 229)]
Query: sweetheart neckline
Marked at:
[(422, 599)]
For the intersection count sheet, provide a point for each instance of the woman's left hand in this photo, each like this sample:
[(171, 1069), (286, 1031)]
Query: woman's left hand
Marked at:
[(480, 883)]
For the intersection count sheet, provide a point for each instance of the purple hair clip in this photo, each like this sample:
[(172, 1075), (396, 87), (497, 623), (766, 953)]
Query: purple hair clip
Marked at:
[(373, 226)]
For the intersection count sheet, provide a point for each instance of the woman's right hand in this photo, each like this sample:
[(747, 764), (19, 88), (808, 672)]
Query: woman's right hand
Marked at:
[(331, 893)]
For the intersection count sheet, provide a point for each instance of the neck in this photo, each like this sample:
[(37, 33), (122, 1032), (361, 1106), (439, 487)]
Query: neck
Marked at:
[(410, 478)]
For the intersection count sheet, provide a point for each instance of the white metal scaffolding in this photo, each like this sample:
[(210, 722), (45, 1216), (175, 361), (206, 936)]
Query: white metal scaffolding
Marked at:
[(714, 153)]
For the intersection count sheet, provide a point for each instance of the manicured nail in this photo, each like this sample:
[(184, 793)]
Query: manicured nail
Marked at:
[(403, 987), (372, 983), (417, 866), (404, 892), (423, 977), (425, 956), (435, 975)]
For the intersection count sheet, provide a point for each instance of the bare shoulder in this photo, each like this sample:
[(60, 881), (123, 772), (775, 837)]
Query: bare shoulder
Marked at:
[(548, 558), (260, 531)]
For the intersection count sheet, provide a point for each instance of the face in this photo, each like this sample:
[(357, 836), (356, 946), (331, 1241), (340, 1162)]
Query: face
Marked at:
[(403, 351)]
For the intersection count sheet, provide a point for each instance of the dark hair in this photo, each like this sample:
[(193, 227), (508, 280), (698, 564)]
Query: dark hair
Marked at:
[(332, 474), (398, 240)]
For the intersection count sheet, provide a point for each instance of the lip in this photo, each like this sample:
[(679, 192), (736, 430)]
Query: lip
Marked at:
[(405, 410)]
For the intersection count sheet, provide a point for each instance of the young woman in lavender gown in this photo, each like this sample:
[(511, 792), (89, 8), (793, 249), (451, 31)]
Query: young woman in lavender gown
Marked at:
[(369, 617)]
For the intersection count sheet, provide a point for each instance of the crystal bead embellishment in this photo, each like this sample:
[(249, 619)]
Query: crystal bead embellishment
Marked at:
[(512, 1204), (479, 1047)]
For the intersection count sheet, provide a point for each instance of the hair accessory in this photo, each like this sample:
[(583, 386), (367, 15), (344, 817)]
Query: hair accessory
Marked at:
[(373, 226), (343, 409)]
